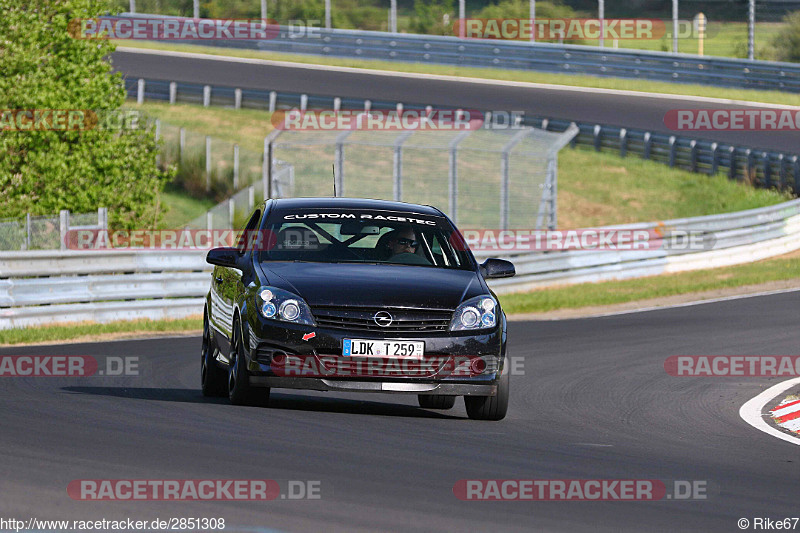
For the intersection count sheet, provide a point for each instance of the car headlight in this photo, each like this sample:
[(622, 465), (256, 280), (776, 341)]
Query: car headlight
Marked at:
[(277, 304), (475, 313)]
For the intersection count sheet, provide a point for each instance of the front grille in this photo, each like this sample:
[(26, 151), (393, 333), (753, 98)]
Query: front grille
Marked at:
[(404, 320)]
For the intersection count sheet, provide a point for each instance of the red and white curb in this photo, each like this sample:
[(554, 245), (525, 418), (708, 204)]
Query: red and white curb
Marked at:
[(751, 411), (787, 414)]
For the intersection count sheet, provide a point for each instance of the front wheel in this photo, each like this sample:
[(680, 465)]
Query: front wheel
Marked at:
[(490, 407), (239, 390), (436, 401)]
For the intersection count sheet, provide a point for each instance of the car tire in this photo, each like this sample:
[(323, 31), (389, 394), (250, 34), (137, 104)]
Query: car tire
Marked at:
[(490, 407), (436, 401), (213, 379), (239, 390)]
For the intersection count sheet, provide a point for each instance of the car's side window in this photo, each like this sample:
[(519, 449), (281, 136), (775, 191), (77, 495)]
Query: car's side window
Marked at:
[(247, 234)]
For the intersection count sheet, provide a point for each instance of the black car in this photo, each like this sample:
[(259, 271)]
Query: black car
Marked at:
[(355, 295)]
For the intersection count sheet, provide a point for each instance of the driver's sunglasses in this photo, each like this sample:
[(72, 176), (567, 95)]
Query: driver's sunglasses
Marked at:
[(407, 242)]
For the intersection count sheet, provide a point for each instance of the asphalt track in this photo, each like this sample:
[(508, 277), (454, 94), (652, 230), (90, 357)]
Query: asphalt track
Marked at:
[(631, 111), (594, 402)]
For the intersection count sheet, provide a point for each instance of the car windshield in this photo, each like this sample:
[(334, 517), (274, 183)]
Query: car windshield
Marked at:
[(363, 236)]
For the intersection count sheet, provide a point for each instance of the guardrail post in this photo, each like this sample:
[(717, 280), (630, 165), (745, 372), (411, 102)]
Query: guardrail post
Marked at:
[(672, 148), (208, 163), (749, 166), (574, 141), (27, 231), (237, 98), (767, 170), (732, 163), (782, 170), (597, 143), (173, 92), (273, 99), (140, 91), (623, 142), (545, 123), (714, 158), (337, 104), (648, 145), (206, 95), (367, 106), (235, 167), (693, 155), (63, 227), (181, 143), (303, 102), (796, 174)]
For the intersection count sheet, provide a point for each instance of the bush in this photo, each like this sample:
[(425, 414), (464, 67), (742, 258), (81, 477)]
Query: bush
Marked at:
[(787, 43), (45, 171)]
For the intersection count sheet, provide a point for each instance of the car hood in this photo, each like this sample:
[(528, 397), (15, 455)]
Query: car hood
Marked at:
[(373, 285)]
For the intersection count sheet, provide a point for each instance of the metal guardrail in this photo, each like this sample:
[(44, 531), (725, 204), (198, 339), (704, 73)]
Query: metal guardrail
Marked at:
[(761, 168), (122, 285), (541, 57)]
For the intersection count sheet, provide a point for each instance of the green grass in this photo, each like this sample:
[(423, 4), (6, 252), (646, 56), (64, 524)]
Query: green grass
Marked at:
[(616, 190), (181, 208), (87, 330), (615, 292), (770, 97)]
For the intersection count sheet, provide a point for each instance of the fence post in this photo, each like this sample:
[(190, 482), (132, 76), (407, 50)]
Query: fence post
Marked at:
[(397, 167), (140, 91), (63, 227), (338, 180), (452, 191), (273, 99), (27, 231), (208, 163), (623, 142), (648, 145), (231, 212), (749, 164), (251, 198), (767, 170), (672, 148), (597, 143), (545, 123), (102, 217), (173, 92), (209, 221), (303, 102), (337, 104), (265, 170), (732, 163), (237, 98), (714, 158), (693, 156), (235, 167), (367, 106), (782, 171), (504, 178), (181, 143), (206, 95)]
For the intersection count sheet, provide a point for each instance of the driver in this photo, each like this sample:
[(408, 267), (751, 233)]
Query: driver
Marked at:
[(402, 241)]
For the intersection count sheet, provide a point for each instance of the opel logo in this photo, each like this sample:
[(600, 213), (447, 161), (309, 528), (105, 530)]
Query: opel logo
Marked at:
[(383, 319)]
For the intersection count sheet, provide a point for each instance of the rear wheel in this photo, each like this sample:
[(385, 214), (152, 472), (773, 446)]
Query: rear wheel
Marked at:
[(436, 401), (239, 390), (212, 378), (490, 407)]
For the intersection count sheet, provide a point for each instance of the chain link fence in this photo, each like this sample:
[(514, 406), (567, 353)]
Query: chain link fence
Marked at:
[(47, 232)]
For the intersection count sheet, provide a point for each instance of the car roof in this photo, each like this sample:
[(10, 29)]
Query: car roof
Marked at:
[(286, 204)]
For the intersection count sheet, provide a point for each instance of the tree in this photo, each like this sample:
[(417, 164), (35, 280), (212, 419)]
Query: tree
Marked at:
[(429, 17), (45, 67)]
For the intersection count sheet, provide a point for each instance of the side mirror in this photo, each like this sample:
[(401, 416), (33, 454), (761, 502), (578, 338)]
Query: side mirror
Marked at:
[(497, 268), (224, 257)]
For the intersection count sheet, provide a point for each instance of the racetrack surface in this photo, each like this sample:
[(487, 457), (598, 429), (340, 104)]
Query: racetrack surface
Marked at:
[(631, 111), (385, 464)]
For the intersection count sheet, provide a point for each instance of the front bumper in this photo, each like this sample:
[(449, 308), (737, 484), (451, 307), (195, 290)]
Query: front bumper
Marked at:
[(269, 342)]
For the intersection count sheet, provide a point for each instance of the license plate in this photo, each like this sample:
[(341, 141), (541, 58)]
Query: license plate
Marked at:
[(367, 348)]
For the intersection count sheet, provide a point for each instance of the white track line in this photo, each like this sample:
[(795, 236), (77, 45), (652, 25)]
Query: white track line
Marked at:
[(751, 411), (461, 79)]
